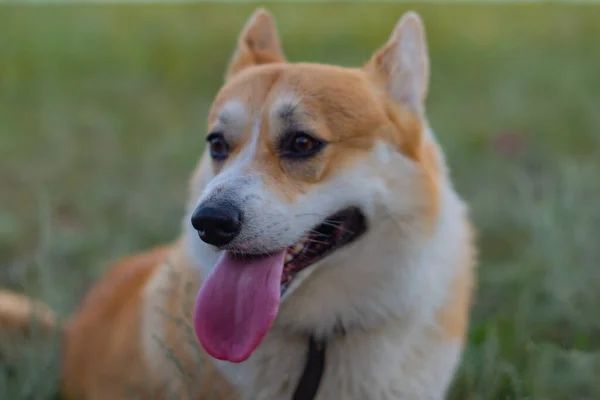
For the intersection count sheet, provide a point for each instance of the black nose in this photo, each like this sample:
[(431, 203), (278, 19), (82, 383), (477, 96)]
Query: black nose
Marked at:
[(217, 224)]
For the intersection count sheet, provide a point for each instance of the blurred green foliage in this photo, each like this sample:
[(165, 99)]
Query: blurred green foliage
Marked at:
[(102, 113)]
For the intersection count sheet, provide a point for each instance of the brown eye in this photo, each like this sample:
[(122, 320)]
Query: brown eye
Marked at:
[(301, 145), (219, 149)]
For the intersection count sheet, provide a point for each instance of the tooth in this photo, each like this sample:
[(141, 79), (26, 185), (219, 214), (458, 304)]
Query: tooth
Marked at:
[(288, 258), (298, 248)]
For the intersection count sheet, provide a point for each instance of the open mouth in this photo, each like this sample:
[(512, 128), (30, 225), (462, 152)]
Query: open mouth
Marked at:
[(335, 232), (239, 299)]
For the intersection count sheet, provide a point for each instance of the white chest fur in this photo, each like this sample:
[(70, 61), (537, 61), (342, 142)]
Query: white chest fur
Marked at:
[(389, 363)]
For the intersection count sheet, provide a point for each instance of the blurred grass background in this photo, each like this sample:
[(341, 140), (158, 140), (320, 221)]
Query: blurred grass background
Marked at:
[(102, 113)]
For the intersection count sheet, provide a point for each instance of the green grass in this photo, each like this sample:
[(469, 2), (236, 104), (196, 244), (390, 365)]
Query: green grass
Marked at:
[(102, 112)]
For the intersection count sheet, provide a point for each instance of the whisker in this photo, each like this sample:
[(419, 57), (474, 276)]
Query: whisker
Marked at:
[(309, 215), (316, 241), (339, 225)]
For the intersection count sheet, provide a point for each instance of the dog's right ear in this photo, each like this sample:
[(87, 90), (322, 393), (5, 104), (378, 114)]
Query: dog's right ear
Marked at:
[(257, 44)]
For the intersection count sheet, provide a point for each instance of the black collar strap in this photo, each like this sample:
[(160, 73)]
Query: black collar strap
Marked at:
[(313, 371)]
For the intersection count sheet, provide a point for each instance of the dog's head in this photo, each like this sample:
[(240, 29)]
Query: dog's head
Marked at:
[(305, 167)]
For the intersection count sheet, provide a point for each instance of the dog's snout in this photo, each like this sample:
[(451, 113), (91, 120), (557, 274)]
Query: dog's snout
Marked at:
[(217, 224)]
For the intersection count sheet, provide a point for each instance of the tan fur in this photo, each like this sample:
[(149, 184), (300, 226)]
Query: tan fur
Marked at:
[(102, 353), (133, 335), (23, 319), (454, 315), (24, 324)]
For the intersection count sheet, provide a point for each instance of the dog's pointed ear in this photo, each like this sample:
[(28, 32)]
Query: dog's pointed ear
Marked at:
[(402, 64), (257, 44)]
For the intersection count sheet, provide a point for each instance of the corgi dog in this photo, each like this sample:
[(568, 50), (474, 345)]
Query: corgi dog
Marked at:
[(324, 253)]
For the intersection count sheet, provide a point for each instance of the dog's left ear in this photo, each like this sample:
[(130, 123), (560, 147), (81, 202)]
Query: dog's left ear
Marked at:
[(257, 44), (402, 64)]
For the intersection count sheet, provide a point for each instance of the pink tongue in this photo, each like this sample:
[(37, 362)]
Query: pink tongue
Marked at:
[(237, 304)]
